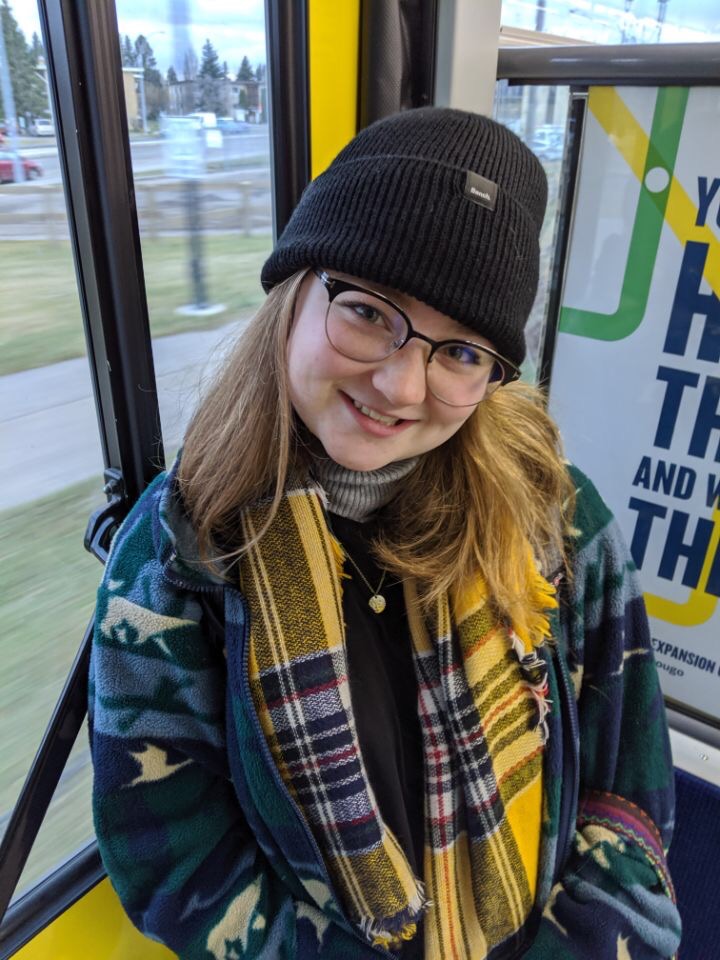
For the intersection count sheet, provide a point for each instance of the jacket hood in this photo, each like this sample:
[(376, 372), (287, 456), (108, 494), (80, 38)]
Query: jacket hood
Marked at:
[(176, 539)]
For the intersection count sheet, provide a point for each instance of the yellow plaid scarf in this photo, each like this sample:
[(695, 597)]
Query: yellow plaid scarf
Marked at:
[(481, 706)]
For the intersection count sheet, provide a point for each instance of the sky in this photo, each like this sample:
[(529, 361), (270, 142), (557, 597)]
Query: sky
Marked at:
[(602, 20), (237, 27)]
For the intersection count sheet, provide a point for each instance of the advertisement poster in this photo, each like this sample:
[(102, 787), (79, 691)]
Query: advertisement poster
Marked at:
[(636, 373)]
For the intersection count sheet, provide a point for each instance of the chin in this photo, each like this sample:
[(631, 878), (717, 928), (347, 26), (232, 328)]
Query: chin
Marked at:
[(357, 460)]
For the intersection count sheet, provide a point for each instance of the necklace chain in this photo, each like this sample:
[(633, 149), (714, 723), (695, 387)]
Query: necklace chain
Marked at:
[(377, 602)]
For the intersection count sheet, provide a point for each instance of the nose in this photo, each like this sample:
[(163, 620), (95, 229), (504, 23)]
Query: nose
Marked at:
[(402, 377)]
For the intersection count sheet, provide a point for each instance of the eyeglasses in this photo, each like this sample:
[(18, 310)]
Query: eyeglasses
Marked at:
[(365, 326)]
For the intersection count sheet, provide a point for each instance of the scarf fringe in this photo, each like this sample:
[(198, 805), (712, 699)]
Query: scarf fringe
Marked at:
[(392, 932), (339, 558), (534, 670), (533, 626), (529, 635)]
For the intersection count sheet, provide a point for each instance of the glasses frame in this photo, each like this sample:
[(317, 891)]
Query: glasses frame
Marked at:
[(335, 285)]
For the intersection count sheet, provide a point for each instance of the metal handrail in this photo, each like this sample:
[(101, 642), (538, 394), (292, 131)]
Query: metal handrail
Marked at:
[(632, 63)]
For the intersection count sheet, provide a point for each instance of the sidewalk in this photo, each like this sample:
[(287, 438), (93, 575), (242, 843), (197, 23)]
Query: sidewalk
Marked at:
[(48, 426)]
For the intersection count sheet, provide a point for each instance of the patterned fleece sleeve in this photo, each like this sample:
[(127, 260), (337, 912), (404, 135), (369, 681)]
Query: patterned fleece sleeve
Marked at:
[(615, 899), (170, 829)]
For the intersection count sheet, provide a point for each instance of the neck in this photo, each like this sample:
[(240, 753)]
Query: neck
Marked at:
[(358, 494)]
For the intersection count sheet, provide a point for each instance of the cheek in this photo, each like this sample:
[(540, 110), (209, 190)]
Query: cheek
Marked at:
[(302, 358), (312, 369), (451, 419)]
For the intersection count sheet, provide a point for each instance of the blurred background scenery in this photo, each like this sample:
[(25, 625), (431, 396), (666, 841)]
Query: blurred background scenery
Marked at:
[(195, 89)]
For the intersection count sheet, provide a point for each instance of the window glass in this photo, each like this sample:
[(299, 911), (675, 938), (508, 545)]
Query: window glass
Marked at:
[(538, 114), (194, 76), (617, 21), (69, 817), (50, 461)]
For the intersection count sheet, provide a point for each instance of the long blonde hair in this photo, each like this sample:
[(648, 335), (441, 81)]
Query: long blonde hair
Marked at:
[(471, 506)]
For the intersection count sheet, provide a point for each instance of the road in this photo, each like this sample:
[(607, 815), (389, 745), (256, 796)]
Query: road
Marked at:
[(48, 426), (148, 155)]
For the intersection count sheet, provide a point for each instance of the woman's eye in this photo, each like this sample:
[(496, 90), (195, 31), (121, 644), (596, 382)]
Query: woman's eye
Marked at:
[(368, 313), (464, 355)]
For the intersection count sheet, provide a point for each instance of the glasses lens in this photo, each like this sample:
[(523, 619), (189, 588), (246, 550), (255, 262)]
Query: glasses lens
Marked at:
[(462, 374), (363, 327)]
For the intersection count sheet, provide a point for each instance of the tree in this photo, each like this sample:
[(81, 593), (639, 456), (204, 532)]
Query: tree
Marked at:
[(260, 72), (128, 52), (190, 65), (28, 86), (210, 78), (36, 49), (144, 54), (171, 75), (246, 71), (155, 93), (210, 62)]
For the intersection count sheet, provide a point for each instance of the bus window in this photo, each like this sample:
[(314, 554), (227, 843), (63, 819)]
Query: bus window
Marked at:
[(196, 100), (538, 115), (51, 462), (69, 816), (614, 21)]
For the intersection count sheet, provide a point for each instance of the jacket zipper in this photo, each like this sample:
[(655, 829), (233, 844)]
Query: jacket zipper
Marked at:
[(571, 768), (177, 581), (279, 781)]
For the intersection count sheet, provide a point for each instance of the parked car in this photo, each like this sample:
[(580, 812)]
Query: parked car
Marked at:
[(517, 125), (233, 126), (42, 128), (548, 142), (31, 169), (207, 120)]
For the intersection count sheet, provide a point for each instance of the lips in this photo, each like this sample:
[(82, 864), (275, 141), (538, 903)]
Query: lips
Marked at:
[(374, 415), (373, 421)]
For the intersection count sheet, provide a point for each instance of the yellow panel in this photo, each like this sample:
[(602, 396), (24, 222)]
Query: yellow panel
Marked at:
[(334, 29), (94, 928)]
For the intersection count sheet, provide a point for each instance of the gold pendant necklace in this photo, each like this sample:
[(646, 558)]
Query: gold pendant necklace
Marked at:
[(377, 602)]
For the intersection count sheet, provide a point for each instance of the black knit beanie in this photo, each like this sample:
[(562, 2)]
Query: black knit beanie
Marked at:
[(441, 204)]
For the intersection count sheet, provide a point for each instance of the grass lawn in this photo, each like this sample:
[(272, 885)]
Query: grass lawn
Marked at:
[(48, 593), (41, 321)]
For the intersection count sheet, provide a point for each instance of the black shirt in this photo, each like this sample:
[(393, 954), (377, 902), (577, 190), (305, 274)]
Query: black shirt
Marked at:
[(384, 695)]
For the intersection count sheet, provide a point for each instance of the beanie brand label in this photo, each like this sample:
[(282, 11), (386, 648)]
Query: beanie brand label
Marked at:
[(480, 190)]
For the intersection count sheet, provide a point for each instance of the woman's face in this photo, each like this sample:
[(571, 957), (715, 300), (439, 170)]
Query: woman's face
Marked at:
[(327, 388)]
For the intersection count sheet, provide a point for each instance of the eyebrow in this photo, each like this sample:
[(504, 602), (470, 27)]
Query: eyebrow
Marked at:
[(405, 301), (397, 296)]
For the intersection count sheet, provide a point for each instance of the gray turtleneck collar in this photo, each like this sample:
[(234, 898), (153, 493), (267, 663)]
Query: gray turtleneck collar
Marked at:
[(358, 494)]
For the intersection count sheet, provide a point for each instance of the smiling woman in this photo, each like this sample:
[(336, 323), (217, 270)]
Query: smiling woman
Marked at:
[(366, 381), (332, 713)]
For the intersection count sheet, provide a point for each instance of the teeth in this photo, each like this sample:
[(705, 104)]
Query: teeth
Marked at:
[(389, 421)]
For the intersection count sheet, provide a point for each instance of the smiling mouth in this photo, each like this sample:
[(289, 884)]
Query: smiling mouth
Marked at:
[(374, 415)]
